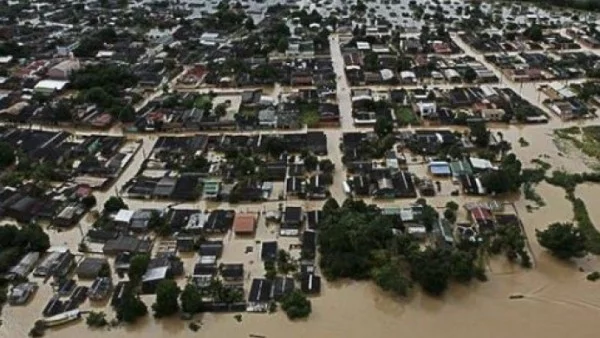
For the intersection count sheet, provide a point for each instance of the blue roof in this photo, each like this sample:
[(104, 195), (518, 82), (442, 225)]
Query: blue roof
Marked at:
[(438, 168)]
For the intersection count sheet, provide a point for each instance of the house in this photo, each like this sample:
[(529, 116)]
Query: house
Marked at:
[(211, 249), (443, 232), (268, 251), (232, 273), (461, 167), (471, 185), (291, 221), (310, 284), (57, 264), (219, 221), (294, 186), (267, 117), (126, 243), (21, 293), (92, 267), (483, 218), (244, 224), (440, 168), (480, 164), (282, 286), (185, 243), (123, 218), (100, 289), (69, 215), (64, 69), (152, 277), (259, 295), (309, 244), (211, 189), (403, 185), (25, 265), (203, 274)]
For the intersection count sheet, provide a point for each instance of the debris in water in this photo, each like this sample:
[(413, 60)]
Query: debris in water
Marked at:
[(238, 317), (194, 326), (516, 296)]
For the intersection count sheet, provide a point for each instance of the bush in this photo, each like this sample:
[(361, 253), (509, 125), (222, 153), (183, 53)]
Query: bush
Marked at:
[(594, 276), (563, 240), (296, 305), (96, 319)]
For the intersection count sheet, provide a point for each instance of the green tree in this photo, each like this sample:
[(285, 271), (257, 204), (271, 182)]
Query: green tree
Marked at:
[(431, 269), (480, 134), (114, 204), (221, 110), (534, 33), (137, 268), (462, 266), (7, 155), (296, 305), (450, 215), (470, 75), (564, 240), (282, 44), (131, 307), (452, 206), (311, 162), (392, 277), (167, 293), (249, 24), (89, 201), (191, 299), (96, 319), (331, 205), (383, 126)]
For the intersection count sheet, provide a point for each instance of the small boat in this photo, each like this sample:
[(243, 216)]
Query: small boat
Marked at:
[(62, 318), (516, 296)]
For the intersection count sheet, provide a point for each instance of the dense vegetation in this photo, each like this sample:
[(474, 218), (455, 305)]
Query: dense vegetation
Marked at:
[(17, 241), (357, 242), (564, 240), (102, 84), (167, 293), (296, 305)]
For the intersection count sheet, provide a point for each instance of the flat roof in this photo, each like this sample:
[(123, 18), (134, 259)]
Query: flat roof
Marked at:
[(244, 223), (51, 84)]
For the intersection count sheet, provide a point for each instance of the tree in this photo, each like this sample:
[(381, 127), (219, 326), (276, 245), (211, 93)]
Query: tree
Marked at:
[(249, 24), (392, 277), (114, 204), (311, 162), (461, 266), (452, 206), (191, 299), (96, 319), (534, 33), (131, 307), (167, 293), (383, 127), (296, 305), (564, 240), (7, 155), (506, 179), (89, 201), (480, 133), (330, 206), (221, 110), (137, 268), (450, 215), (282, 44), (431, 269), (470, 75)]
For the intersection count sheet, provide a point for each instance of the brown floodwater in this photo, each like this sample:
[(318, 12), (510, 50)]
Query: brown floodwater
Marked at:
[(558, 300)]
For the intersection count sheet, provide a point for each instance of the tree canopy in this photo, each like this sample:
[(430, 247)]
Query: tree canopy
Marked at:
[(114, 204), (383, 126), (131, 307), (138, 266), (7, 155), (191, 299), (563, 240), (296, 305), (167, 294)]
